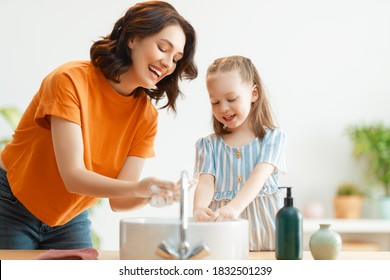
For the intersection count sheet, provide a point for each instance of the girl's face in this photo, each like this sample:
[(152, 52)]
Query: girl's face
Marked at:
[(230, 98), (156, 56)]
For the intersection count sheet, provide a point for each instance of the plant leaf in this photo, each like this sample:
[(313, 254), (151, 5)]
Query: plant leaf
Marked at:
[(11, 114)]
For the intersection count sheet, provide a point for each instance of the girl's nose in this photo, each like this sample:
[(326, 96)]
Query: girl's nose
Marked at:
[(224, 106)]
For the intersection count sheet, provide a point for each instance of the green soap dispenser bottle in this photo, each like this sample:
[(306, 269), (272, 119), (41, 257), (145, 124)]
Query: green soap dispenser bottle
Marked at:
[(288, 231)]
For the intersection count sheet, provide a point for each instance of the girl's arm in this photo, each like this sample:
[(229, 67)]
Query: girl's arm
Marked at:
[(203, 195), (69, 153), (247, 194)]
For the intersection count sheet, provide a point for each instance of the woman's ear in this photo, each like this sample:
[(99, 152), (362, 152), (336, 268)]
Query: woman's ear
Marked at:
[(255, 93), (130, 43)]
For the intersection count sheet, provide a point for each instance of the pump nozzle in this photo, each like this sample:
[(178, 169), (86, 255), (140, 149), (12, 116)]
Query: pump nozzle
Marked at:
[(288, 200)]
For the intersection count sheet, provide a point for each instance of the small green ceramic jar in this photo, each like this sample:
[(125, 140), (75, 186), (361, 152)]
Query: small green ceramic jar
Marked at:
[(325, 244)]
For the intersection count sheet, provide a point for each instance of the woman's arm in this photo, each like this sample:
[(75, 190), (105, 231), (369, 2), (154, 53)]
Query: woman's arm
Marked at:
[(69, 153), (131, 171), (203, 195), (247, 194)]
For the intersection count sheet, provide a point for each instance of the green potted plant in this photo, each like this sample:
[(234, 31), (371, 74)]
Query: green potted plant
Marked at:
[(12, 116), (371, 146), (348, 201)]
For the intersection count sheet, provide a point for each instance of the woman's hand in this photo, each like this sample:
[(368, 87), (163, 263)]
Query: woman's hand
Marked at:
[(147, 187), (204, 215)]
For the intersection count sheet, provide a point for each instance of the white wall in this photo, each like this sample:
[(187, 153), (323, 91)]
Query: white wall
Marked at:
[(325, 64)]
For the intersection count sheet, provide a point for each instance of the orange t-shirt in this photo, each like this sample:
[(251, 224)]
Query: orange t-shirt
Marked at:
[(113, 127)]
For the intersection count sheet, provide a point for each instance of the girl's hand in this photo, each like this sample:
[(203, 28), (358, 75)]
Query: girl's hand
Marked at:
[(204, 215), (226, 213)]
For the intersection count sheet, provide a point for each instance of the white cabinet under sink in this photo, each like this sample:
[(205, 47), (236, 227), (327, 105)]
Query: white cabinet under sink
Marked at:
[(357, 234)]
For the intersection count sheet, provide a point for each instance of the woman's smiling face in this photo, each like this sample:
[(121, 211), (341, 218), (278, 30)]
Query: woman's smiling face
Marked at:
[(156, 56)]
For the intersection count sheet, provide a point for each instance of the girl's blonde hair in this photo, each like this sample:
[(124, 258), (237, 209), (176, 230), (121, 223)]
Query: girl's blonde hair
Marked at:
[(260, 115)]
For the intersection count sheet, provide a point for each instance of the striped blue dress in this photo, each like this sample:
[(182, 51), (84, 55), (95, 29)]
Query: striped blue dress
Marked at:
[(231, 168)]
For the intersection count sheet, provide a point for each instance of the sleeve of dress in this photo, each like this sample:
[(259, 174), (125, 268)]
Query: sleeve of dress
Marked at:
[(203, 158), (273, 149)]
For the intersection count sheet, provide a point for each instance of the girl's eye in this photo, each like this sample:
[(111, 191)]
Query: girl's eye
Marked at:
[(232, 100), (162, 49), (214, 103)]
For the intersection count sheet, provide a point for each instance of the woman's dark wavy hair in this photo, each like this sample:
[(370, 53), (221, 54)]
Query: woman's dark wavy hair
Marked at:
[(113, 56)]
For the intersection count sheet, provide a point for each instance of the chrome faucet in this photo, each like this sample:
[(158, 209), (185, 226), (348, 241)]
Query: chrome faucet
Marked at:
[(183, 250)]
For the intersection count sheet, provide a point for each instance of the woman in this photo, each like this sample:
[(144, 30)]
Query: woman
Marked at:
[(88, 130)]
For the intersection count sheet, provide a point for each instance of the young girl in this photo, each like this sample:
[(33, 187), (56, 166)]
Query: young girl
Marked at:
[(90, 127), (238, 166)]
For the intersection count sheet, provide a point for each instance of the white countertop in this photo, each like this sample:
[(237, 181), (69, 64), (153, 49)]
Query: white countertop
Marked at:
[(265, 255)]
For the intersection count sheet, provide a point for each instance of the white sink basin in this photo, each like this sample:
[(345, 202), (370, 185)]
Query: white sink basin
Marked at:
[(140, 237)]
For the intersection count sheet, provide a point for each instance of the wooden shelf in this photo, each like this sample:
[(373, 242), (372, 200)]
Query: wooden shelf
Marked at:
[(349, 225), (357, 234)]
